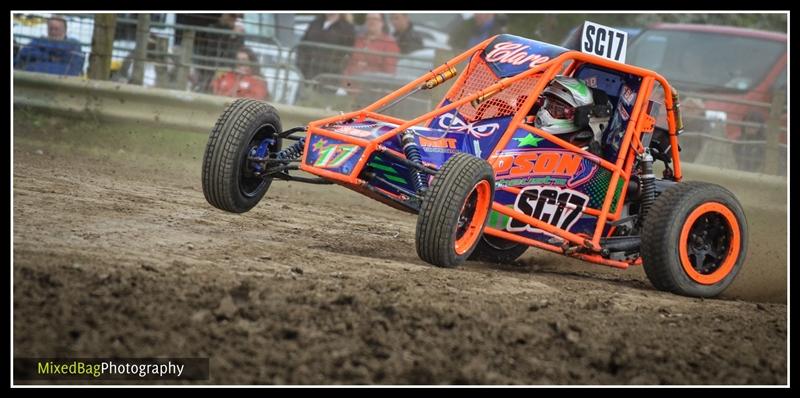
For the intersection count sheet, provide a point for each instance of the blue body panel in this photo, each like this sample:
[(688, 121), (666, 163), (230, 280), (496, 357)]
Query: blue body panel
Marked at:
[(436, 145)]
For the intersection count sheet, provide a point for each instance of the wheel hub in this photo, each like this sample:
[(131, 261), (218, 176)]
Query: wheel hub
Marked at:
[(250, 180), (466, 214), (709, 238)]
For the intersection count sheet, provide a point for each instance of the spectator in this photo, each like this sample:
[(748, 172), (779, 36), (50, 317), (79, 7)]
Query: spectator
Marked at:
[(244, 81), (476, 30), (219, 45), (158, 68), (326, 29), (57, 28), (407, 39), (56, 54), (373, 39)]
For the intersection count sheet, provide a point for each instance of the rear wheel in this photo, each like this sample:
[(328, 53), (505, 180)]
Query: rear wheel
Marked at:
[(246, 128), (454, 211), (694, 239)]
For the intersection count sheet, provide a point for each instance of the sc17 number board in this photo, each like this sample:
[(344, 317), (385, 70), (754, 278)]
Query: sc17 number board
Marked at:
[(604, 41)]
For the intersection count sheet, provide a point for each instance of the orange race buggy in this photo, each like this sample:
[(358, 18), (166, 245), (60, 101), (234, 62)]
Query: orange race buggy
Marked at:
[(487, 184)]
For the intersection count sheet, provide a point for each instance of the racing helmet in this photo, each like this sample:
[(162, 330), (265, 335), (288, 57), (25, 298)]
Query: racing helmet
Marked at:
[(563, 98)]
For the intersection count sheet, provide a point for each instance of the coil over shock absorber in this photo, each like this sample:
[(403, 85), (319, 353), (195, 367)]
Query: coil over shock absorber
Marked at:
[(411, 150), (676, 108), (293, 152), (647, 183)]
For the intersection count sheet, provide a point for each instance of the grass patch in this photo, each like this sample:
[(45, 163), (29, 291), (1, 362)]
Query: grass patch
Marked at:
[(87, 136)]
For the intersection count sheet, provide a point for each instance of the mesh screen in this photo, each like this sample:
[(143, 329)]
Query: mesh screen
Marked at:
[(504, 103)]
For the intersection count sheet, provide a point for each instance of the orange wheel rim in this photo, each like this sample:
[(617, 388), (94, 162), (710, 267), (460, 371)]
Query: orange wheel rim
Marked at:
[(472, 216), (710, 243)]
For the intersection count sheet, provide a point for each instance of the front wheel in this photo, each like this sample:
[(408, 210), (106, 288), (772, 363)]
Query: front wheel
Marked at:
[(694, 239), (454, 210), (247, 128)]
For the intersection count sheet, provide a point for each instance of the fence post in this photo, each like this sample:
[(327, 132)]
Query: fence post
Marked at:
[(772, 152), (102, 46), (717, 153), (140, 52), (162, 46), (187, 50)]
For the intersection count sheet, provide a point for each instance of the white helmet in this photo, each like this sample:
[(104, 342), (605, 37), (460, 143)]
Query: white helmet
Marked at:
[(560, 101)]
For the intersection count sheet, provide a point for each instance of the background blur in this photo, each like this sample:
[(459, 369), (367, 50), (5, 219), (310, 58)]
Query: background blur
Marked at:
[(729, 68)]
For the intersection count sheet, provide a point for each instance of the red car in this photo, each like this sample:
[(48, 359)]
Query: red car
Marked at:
[(721, 61)]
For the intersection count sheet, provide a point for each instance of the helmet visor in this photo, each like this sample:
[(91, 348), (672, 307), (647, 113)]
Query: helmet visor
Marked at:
[(558, 108)]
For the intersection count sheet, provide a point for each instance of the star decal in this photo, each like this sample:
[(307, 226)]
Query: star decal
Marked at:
[(319, 145), (528, 140)]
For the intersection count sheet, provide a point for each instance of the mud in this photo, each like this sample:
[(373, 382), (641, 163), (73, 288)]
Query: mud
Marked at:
[(116, 253)]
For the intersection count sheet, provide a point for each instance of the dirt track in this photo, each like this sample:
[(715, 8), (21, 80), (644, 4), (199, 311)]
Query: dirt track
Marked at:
[(117, 253)]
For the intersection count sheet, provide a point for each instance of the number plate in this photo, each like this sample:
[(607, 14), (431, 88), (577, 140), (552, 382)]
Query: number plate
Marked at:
[(604, 41)]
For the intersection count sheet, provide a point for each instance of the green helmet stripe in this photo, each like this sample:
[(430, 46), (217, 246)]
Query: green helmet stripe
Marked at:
[(581, 88)]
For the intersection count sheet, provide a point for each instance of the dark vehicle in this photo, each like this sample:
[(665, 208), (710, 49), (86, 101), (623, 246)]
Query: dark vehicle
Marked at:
[(723, 62)]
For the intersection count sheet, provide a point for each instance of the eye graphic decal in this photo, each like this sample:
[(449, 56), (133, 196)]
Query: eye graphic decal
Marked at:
[(451, 122)]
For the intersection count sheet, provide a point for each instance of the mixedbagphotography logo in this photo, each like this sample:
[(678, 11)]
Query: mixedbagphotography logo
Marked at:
[(111, 369)]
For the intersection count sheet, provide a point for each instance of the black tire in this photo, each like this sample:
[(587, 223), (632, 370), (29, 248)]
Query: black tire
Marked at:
[(453, 190), (661, 239), (492, 249), (227, 182)]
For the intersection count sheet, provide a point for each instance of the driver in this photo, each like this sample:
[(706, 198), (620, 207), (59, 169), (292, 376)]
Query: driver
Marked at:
[(574, 112)]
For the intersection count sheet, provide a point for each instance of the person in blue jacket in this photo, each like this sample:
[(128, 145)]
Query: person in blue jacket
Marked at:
[(55, 54)]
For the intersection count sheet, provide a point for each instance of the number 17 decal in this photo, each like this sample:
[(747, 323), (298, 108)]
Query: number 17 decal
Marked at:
[(558, 207), (332, 155)]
